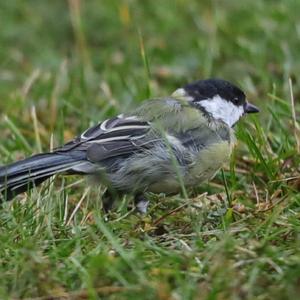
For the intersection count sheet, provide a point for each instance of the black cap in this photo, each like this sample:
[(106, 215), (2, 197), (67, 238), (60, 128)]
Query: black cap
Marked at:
[(209, 88)]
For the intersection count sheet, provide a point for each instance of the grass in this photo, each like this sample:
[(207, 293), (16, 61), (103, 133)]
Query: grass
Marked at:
[(67, 65)]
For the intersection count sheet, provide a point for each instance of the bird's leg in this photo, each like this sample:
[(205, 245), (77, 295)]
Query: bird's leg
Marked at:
[(108, 199), (141, 203)]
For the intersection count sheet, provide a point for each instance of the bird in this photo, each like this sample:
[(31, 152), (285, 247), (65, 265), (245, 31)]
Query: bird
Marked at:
[(164, 144)]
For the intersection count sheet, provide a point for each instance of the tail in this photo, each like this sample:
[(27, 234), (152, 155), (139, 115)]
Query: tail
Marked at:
[(23, 175)]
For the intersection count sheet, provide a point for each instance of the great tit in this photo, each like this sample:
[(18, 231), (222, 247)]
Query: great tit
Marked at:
[(183, 139)]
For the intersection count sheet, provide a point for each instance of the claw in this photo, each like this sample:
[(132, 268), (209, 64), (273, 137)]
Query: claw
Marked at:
[(141, 203), (108, 200), (142, 206)]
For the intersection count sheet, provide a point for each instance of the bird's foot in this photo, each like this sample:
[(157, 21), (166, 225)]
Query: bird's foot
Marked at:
[(141, 203), (108, 200)]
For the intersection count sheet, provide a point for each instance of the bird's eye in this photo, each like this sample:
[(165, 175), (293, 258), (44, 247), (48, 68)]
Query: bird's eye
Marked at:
[(235, 100)]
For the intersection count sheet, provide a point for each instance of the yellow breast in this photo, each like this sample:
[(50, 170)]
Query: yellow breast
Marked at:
[(208, 162)]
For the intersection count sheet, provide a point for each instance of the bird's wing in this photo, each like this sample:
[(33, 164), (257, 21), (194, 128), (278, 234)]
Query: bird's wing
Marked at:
[(124, 134), (157, 121), (121, 135)]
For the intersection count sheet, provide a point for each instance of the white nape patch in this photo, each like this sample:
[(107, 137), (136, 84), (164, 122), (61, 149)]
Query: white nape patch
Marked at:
[(182, 94), (222, 109)]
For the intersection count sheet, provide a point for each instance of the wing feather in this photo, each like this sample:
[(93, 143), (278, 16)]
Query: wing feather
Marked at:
[(113, 137)]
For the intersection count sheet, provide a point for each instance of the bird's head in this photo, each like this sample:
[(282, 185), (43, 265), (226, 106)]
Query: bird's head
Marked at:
[(219, 99)]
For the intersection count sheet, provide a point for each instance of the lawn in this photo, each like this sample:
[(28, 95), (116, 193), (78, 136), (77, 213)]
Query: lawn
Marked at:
[(65, 65)]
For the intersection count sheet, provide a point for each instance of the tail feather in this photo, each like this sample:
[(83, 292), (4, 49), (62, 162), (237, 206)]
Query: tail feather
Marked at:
[(21, 176)]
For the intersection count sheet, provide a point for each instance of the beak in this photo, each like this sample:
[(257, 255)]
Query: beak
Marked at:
[(250, 108)]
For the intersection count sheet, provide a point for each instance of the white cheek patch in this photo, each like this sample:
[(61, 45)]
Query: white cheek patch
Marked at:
[(222, 109)]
